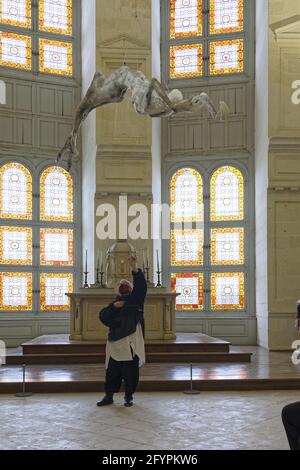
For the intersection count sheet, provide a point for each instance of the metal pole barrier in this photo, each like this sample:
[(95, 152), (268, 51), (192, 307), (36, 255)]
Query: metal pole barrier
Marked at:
[(191, 391), (24, 394)]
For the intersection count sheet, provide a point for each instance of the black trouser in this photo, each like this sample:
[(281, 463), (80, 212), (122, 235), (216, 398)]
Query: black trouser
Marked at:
[(291, 421), (122, 370)]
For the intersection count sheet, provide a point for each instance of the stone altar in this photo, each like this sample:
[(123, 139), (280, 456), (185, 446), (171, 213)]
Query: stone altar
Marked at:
[(87, 303)]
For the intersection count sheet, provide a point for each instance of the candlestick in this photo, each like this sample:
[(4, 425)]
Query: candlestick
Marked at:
[(158, 285), (86, 286)]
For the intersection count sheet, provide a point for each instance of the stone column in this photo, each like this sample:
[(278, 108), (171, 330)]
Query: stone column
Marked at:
[(122, 166), (124, 138), (277, 171)]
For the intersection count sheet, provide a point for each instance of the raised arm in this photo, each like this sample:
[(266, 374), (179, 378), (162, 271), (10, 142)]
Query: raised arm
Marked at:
[(139, 282)]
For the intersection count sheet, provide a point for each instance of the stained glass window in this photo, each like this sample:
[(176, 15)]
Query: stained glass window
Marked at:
[(190, 288), (186, 196), (16, 245), (56, 57), (16, 12), (54, 288), (185, 18), (56, 247), (227, 57), (56, 195), (186, 247), (186, 61), (15, 192), (227, 291), (55, 16), (226, 16), (15, 50), (15, 291), (227, 194), (227, 246)]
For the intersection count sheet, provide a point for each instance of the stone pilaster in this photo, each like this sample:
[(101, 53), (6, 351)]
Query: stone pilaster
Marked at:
[(122, 161), (278, 176)]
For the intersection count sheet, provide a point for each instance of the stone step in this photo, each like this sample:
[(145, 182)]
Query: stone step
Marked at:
[(153, 357)]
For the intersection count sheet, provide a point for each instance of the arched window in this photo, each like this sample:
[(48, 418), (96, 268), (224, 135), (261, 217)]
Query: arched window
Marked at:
[(56, 195), (186, 195), (207, 261), (15, 192), (36, 246), (227, 194)]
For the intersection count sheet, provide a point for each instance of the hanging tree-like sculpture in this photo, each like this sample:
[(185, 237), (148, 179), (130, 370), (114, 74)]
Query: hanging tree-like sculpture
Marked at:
[(149, 98)]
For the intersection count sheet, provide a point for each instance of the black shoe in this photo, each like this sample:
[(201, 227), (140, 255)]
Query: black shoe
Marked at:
[(128, 402), (106, 401)]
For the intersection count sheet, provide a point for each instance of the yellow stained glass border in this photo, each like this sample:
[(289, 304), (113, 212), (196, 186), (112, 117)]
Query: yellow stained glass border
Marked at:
[(173, 196), (173, 50), (44, 175), (200, 277), (50, 29), (29, 245), (56, 308), (25, 24), (69, 50), (22, 37), (239, 69), (240, 176), (200, 236), (29, 292), (241, 305), (214, 233), (214, 30), (5, 215), (70, 234), (173, 34)]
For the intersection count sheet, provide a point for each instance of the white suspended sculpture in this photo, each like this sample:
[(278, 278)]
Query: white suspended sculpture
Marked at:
[(149, 98)]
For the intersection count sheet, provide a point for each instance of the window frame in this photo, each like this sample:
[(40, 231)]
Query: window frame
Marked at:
[(206, 169), (35, 35), (36, 224), (166, 42)]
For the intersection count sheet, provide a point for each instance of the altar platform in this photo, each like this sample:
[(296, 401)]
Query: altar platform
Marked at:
[(186, 348), (266, 371)]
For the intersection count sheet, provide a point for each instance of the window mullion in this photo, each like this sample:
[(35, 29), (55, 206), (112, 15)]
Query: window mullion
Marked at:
[(206, 201), (35, 42)]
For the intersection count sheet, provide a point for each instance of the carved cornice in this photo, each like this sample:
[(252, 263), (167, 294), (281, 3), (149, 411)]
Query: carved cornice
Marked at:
[(287, 30), (123, 41)]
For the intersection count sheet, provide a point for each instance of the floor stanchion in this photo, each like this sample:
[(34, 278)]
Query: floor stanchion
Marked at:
[(24, 394)]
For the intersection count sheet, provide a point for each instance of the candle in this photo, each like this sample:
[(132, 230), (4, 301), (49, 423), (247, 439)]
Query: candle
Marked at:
[(157, 260), (86, 260), (144, 261), (101, 261), (148, 258)]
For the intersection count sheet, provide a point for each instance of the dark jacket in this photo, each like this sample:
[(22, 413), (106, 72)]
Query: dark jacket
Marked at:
[(122, 322)]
